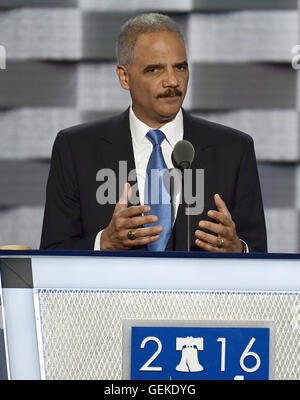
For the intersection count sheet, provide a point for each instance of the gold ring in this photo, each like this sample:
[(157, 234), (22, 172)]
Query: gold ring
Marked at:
[(131, 235), (221, 243)]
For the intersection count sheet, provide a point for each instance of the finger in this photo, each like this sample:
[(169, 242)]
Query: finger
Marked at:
[(219, 229), (208, 238), (141, 241), (141, 220), (141, 232), (150, 231), (220, 217), (135, 211), (208, 247), (123, 201), (221, 205)]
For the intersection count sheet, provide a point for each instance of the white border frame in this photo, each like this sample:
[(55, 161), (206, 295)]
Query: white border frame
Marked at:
[(4, 330), (39, 333)]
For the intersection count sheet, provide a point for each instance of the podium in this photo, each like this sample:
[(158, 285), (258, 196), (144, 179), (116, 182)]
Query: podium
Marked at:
[(141, 315)]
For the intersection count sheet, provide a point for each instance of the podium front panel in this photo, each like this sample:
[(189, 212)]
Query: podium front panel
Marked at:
[(81, 331), (68, 316)]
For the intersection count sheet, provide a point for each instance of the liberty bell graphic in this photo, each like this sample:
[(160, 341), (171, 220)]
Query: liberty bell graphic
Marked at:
[(189, 359)]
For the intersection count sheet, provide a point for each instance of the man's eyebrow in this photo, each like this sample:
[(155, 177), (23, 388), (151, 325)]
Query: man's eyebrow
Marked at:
[(150, 66), (181, 64)]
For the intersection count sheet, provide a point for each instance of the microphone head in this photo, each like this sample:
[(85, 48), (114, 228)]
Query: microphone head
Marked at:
[(183, 154)]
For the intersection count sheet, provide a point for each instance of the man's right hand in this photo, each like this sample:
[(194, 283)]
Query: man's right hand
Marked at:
[(125, 219)]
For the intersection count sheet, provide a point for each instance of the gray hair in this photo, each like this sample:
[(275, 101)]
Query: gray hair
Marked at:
[(135, 26)]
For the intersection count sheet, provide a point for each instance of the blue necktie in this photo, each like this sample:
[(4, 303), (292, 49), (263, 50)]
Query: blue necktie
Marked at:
[(157, 191)]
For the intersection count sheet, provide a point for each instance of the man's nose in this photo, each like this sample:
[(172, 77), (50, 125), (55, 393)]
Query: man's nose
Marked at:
[(170, 78)]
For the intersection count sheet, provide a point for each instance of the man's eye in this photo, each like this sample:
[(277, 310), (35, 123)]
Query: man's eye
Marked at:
[(152, 69), (182, 67)]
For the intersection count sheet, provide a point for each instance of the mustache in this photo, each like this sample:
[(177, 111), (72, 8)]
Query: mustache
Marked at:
[(170, 92)]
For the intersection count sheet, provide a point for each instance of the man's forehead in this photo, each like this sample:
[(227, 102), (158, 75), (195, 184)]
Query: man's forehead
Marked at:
[(158, 45), (161, 36)]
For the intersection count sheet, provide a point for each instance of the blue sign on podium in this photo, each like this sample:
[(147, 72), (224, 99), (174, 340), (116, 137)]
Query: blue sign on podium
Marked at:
[(182, 353)]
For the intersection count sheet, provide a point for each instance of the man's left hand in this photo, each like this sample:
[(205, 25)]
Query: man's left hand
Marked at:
[(226, 239)]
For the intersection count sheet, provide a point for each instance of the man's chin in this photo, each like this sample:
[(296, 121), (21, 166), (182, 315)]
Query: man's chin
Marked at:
[(170, 112)]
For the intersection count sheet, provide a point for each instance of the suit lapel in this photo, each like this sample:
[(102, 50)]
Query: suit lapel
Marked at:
[(118, 152), (201, 142)]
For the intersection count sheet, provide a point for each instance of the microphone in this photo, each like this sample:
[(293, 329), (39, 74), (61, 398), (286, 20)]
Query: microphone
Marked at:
[(182, 158), (183, 155)]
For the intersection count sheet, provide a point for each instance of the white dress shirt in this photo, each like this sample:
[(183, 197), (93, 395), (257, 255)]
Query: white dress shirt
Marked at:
[(142, 147)]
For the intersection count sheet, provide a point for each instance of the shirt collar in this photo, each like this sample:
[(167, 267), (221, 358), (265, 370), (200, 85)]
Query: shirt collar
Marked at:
[(173, 129)]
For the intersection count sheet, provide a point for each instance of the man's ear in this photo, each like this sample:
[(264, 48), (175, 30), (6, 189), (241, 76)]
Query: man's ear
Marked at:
[(123, 76)]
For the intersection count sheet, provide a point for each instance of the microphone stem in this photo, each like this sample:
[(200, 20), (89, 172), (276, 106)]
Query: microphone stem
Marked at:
[(187, 210), (188, 227)]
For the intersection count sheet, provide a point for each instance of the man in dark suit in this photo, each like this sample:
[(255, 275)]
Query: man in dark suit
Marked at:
[(153, 67)]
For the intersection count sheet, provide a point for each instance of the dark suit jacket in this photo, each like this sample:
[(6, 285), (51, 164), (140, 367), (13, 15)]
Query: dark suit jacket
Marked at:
[(73, 216)]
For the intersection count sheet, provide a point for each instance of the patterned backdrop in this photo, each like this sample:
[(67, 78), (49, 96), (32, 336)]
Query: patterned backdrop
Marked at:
[(60, 71)]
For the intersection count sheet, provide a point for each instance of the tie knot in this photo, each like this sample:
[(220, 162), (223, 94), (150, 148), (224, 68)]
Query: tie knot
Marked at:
[(156, 136)]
